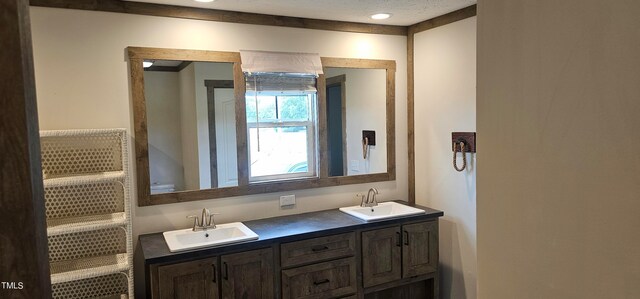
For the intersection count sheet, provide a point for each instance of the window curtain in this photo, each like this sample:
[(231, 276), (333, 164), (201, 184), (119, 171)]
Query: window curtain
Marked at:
[(280, 62), (280, 84)]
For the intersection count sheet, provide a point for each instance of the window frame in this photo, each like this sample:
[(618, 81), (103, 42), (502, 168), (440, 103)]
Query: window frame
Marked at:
[(311, 126)]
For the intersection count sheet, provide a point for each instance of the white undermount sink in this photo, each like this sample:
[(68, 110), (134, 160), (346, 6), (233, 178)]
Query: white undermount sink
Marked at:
[(185, 239), (384, 210)]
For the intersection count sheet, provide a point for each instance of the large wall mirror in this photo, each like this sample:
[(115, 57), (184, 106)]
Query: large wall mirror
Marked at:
[(203, 130)]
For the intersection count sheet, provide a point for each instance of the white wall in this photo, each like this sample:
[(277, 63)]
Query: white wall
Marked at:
[(559, 170), (366, 104), (82, 81), (162, 92), (445, 99)]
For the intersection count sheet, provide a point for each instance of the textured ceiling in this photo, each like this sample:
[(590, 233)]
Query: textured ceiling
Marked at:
[(405, 12)]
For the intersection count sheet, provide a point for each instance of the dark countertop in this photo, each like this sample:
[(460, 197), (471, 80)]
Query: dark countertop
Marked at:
[(277, 229)]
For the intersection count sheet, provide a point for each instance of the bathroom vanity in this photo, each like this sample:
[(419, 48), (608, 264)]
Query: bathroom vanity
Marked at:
[(325, 254)]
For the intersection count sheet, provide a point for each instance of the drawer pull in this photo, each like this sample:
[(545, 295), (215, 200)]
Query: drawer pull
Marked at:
[(321, 282), (398, 239), (406, 237), (214, 272), (226, 271), (319, 248)]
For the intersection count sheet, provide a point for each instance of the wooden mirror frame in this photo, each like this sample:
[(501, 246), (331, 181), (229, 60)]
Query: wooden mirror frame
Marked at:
[(145, 198)]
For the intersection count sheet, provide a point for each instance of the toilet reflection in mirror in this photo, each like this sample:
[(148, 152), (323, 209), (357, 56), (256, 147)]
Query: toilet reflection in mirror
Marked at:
[(356, 101), (190, 111)]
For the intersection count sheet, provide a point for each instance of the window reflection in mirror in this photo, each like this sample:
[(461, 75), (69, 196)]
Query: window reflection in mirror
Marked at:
[(356, 101), (282, 126), (191, 128)]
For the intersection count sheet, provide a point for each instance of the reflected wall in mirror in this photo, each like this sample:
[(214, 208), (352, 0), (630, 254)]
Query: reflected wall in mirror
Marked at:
[(356, 101), (191, 125)]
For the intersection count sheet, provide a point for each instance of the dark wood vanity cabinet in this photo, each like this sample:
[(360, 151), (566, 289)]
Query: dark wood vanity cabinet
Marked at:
[(248, 274), (397, 252), (381, 256), (333, 279), (330, 270), (194, 279), (419, 248), (317, 249), (318, 255)]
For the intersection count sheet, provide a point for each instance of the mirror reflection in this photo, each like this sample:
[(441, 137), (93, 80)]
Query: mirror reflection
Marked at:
[(356, 108), (190, 110)]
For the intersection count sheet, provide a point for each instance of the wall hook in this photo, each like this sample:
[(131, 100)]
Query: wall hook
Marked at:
[(464, 142)]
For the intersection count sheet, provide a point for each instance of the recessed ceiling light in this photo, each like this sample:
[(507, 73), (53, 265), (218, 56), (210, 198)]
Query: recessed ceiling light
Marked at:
[(380, 16), (205, 0), (146, 64)]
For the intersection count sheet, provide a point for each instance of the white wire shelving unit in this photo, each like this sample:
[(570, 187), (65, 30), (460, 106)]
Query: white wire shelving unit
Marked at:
[(87, 200)]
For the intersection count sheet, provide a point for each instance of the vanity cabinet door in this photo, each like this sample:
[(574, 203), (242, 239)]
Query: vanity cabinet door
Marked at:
[(420, 248), (248, 274), (188, 280), (381, 256)]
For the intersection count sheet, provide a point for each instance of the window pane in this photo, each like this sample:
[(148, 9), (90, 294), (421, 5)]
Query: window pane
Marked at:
[(293, 108), (266, 108), (283, 150)]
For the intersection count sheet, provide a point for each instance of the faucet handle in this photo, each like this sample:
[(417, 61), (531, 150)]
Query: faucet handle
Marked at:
[(195, 221), (211, 222)]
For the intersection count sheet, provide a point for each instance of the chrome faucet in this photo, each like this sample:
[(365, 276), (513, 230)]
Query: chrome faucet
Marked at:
[(206, 220), (371, 198)]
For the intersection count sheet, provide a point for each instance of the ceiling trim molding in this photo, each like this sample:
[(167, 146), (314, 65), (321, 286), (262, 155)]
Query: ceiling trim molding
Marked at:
[(183, 65), (162, 68), (153, 68), (163, 10), (454, 16)]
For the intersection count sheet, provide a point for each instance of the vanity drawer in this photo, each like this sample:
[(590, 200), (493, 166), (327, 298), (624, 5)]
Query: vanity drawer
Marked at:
[(323, 280), (317, 250)]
